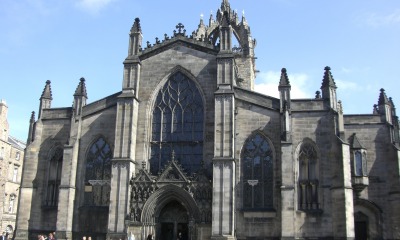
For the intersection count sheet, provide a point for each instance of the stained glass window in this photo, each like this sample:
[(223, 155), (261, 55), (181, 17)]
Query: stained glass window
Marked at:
[(257, 160), (98, 174), (177, 125), (54, 178)]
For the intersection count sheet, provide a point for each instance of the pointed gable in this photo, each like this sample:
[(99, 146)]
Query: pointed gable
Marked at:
[(173, 172), (355, 142)]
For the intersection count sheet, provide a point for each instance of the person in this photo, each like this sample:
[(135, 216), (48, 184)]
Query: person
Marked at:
[(3, 236), (180, 236), (150, 237), (51, 237)]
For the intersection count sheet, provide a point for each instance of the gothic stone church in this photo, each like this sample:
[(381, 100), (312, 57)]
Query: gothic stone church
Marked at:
[(188, 149)]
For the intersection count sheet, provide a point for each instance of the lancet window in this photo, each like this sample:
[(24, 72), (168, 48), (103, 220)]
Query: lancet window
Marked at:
[(308, 176), (54, 178), (98, 174), (177, 125), (257, 159)]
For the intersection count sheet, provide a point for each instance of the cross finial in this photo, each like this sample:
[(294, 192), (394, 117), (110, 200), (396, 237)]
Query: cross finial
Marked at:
[(180, 27)]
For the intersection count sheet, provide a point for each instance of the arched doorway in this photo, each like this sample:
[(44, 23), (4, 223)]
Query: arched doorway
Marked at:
[(173, 222)]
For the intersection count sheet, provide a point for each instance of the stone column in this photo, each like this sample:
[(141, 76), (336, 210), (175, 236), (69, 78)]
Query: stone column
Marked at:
[(288, 198), (342, 194), (223, 206), (123, 164)]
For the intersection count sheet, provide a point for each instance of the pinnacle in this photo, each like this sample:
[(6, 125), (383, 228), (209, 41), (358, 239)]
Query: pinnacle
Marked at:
[(46, 94), (284, 78), (136, 26), (81, 89), (328, 80), (382, 97)]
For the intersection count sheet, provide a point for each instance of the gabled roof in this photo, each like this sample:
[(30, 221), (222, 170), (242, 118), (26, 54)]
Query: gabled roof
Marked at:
[(355, 142)]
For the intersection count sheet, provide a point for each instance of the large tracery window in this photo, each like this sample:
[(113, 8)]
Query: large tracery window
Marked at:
[(257, 160), (54, 178), (308, 177), (177, 128), (98, 174)]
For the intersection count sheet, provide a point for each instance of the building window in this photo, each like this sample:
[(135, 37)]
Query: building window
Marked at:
[(54, 178), (1, 153), (11, 204), (257, 158), (98, 174), (177, 125), (15, 174), (308, 176), (17, 155)]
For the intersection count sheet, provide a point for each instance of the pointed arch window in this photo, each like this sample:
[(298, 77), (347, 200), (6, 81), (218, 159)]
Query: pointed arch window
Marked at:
[(98, 174), (54, 178), (308, 176), (177, 125), (257, 159)]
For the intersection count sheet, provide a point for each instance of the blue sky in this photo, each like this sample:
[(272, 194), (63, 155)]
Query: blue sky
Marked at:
[(68, 39)]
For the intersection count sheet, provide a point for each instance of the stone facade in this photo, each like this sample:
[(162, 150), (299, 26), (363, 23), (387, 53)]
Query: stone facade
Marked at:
[(11, 163), (187, 148)]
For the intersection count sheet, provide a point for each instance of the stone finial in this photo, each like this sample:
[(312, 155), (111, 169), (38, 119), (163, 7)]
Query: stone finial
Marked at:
[(328, 80), (375, 110), (32, 119), (180, 28), (46, 94), (284, 81), (318, 95), (383, 98), (81, 89), (136, 28), (340, 107), (391, 102)]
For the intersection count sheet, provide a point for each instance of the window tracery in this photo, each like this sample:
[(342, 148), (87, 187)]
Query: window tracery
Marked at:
[(54, 178), (98, 174), (308, 177), (257, 157), (177, 125)]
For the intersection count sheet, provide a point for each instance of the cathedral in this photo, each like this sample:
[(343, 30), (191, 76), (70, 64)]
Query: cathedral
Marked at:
[(188, 150)]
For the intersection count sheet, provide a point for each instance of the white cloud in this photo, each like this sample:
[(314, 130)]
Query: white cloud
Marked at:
[(378, 20), (93, 6), (346, 85), (267, 83)]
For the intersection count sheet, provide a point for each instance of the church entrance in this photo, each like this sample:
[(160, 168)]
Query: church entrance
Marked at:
[(173, 222)]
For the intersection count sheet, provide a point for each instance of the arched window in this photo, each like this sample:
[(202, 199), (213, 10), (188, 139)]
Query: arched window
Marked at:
[(257, 158), (308, 176), (98, 174), (54, 178), (177, 125)]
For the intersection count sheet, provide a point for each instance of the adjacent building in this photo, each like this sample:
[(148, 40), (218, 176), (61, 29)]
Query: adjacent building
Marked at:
[(11, 162), (188, 148)]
